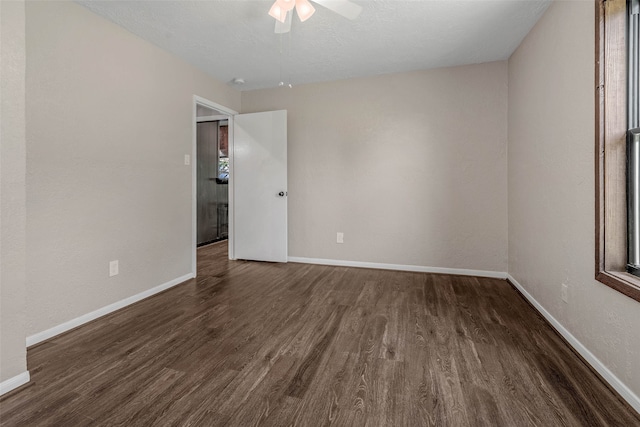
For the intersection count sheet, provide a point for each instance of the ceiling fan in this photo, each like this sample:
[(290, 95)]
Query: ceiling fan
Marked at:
[(282, 11)]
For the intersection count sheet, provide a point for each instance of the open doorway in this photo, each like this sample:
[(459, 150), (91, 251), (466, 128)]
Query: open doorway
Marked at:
[(212, 180), (212, 184), (257, 182)]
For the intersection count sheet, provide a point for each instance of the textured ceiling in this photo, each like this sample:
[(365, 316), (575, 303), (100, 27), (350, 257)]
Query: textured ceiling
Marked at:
[(229, 39)]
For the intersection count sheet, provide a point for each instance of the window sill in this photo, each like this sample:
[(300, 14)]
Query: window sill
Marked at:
[(623, 282)]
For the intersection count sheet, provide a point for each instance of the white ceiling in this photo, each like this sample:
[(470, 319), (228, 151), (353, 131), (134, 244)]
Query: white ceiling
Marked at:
[(229, 39)]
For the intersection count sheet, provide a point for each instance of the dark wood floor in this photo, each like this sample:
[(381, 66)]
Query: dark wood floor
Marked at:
[(291, 344)]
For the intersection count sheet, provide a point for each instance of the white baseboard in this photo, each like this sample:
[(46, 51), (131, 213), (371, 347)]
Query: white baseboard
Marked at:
[(15, 382), (400, 267), (78, 321), (624, 391)]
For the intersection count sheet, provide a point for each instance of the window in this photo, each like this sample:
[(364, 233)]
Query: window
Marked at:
[(223, 152), (617, 193), (633, 138)]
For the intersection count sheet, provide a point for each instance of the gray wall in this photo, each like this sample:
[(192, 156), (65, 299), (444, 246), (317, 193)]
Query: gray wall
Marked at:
[(110, 120), (411, 167), (551, 187), (12, 190)]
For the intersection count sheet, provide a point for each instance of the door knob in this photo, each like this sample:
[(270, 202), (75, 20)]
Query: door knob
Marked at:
[(281, 194)]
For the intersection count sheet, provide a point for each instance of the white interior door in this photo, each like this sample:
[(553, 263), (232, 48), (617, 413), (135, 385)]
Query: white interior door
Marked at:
[(260, 186)]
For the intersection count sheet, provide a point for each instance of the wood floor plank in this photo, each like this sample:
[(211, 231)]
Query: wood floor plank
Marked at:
[(248, 344)]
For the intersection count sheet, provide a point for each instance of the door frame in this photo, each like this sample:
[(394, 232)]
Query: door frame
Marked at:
[(225, 113)]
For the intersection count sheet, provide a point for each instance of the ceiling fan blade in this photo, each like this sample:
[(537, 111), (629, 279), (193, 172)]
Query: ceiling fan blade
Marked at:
[(284, 27), (346, 8)]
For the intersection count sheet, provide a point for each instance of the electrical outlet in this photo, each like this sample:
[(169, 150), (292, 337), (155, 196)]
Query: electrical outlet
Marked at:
[(340, 237), (113, 268), (187, 160), (565, 293)]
